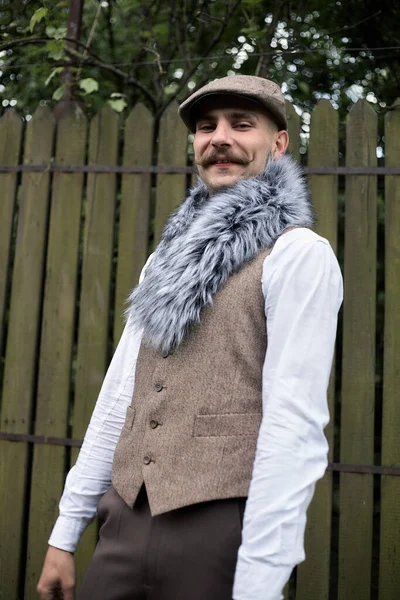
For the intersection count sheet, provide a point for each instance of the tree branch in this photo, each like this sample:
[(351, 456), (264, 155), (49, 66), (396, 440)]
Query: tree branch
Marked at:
[(348, 27), (111, 40), (94, 26), (265, 60), (210, 47), (27, 41), (91, 60), (394, 106), (89, 40)]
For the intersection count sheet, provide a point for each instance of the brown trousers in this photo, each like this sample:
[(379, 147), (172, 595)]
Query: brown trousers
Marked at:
[(185, 554)]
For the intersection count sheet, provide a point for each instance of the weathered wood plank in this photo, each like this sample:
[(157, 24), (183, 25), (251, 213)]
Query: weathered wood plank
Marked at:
[(293, 130), (10, 145), (94, 313), (324, 188), (389, 572), (56, 340), (358, 367), (22, 345), (313, 574), (172, 150), (133, 235)]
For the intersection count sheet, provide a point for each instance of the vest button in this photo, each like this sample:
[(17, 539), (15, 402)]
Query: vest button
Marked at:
[(147, 460), (154, 424), (158, 386)]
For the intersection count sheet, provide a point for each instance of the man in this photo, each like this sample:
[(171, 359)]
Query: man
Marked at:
[(217, 391)]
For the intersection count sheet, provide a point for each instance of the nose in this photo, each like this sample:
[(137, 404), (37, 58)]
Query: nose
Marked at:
[(221, 137)]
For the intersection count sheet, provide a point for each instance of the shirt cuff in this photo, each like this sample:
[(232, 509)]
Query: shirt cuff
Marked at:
[(67, 533), (260, 581)]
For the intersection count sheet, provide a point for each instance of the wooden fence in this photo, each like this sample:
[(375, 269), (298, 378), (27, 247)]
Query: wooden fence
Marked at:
[(72, 243)]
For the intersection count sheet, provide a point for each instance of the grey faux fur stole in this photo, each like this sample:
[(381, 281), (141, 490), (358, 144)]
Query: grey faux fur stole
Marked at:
[(209, 238)]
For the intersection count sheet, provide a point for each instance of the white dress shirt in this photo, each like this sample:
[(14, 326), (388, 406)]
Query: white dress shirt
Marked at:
[(302, 287)]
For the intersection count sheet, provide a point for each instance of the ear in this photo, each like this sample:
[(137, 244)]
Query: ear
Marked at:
[(281, 143)]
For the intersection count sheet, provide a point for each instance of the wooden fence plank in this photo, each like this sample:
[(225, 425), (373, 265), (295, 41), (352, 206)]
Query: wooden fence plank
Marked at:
[(324, 188), (56, 341), (358, 369), (293, 130), (10, 136), (22, 342), (313, 574), (133, 235), (172, 150), (94, 313), (389, 574)]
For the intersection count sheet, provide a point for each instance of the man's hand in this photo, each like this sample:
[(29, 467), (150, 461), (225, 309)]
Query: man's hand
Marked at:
[(57, 580)]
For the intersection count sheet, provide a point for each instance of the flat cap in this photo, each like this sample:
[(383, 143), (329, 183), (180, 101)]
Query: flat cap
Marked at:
[(264, 91)]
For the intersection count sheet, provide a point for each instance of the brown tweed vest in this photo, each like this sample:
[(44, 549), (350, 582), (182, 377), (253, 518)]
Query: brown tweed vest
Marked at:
[(191, 432)]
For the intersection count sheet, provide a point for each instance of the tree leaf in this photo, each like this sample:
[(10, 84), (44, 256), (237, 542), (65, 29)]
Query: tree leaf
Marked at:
[(37, 16), (89, 85), (161, 30), (55, 49), (50, 30), (303, 87), (60, 33), (117, 105), (52, 74), (59, 93)]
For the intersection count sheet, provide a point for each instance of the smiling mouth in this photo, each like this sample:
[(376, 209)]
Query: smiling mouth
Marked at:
[(223, 163)]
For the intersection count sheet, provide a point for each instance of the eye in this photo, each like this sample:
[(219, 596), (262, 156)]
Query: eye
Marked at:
[(243, 125), (205, 127)]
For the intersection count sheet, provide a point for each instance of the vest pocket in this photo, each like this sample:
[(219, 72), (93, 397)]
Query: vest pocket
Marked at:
[(130, 417), (232, 424)]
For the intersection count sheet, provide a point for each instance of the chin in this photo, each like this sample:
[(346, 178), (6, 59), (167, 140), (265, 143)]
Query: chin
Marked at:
[(223, 182)]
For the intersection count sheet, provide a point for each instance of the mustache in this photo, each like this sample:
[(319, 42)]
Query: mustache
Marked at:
[(216, 156)]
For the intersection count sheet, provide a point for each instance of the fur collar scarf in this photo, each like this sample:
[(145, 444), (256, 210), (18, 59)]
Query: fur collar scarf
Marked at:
[(209, 238)]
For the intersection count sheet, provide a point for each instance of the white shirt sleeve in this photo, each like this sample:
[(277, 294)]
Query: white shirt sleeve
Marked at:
[(89, 479), (302, 287)]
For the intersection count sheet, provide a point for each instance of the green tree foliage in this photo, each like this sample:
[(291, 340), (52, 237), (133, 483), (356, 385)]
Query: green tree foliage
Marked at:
[(159, 51)]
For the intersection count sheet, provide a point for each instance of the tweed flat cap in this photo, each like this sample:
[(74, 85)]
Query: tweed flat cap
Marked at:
[(264, 91)]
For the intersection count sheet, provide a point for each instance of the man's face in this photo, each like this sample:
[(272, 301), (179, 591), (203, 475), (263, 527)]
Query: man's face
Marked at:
[(233, 140)]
